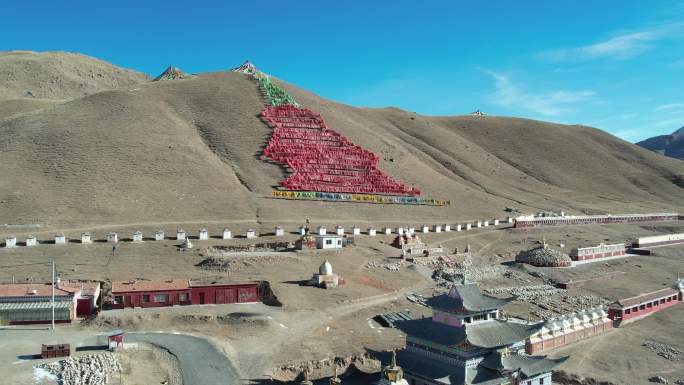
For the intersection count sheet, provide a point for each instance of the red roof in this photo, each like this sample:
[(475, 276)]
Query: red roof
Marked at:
[(638, 300), (86, 288), (29, 289), (171, 284)]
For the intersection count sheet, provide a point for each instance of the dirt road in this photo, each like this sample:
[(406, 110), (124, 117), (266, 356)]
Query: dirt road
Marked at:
[(200, 362)]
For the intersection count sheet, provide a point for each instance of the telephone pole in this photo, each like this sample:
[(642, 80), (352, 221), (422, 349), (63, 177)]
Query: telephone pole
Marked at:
[(53, 295)]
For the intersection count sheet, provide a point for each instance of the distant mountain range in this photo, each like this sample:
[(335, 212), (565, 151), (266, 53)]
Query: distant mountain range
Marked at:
[(669, 145)]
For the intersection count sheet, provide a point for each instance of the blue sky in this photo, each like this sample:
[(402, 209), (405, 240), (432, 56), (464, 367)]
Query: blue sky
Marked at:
[(616, 65)]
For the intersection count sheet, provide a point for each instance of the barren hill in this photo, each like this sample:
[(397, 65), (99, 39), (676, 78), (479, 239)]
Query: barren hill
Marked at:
[(190, 150), (669, 145), (33, 80)]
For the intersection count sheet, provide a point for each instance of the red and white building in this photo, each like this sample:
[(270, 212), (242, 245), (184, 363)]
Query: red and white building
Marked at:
[(600, 251), (31, 303), (634, 308), (131, 294), (569, 328)]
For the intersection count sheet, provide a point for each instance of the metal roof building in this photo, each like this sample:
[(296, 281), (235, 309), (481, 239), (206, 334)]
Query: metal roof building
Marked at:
[(22, 313)]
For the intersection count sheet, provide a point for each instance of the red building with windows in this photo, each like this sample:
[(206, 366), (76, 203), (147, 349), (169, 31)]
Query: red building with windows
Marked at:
[(181, 292), (634, 308)]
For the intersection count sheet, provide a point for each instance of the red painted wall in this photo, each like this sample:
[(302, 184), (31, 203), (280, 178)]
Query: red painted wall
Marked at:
[(197, 295), (639, 313), (135, 299)]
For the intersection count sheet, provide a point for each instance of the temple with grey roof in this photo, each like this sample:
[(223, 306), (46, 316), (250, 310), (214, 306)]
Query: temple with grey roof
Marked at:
[(467, 341)]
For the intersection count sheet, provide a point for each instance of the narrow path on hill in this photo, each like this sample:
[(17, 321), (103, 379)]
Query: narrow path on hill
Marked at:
[(200, 362)]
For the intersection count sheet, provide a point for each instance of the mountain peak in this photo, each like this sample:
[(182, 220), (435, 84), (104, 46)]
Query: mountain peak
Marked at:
[(247, 67), (171, 73)]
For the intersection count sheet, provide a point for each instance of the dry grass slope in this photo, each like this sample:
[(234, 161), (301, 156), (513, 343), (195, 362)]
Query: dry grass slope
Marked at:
[(190, 149)]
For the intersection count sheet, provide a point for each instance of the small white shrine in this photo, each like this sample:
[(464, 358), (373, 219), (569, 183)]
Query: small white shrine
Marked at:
[(180, 235), (31, 241), (203, 235), (226, 234), (112, 237), (10, 242), (356, 230), (138, 236), (372, 232), (86, 238), (251, 234), (60, 239), (279, 231), (159, 235), (425, 229), (339, 230), (322, 230)]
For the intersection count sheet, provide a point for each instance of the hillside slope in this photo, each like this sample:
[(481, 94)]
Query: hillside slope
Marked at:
[(190, 150), (669, 145), (33, 80)]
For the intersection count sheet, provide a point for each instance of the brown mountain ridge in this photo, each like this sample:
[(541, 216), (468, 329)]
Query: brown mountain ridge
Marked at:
[(135, 151)]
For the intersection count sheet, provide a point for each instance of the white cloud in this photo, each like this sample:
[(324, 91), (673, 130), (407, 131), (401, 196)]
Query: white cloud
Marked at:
[(617, 48), (511, 95), (622, 46), (670, 107)]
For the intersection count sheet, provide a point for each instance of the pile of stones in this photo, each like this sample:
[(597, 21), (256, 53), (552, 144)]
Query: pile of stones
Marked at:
[(666, 351), (389, 266), (545, 257), (94, 369)]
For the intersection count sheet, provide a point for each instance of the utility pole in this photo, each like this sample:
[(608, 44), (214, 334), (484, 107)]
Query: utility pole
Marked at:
[(53, 295)]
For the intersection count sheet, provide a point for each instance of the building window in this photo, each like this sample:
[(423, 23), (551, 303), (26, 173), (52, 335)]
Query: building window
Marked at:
[(627, 311), (184, 297), (328, 242), (662, 301), (146, 298), (118, 299), (642, 307), (634, 308), (541, 381), (161, 298)]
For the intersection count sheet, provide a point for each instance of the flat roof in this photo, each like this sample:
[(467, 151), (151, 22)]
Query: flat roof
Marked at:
[(136, 285), (27, 289), (639, 299)]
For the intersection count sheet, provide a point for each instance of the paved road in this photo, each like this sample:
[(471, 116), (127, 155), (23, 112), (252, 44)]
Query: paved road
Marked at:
[(200, 362)]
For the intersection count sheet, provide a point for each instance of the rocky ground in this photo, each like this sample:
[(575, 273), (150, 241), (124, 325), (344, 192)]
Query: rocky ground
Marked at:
[(94, 369)]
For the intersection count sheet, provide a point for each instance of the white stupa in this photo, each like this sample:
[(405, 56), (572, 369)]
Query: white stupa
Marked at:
[(187, 245), (325, 277)]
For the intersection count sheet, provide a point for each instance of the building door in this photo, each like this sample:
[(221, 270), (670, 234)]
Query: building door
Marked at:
[(231, 295), (128, 301), (201, 298), (220, 296)]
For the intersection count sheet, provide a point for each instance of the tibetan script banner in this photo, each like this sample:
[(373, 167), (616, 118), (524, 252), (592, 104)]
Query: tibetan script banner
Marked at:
[(361, 198)]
